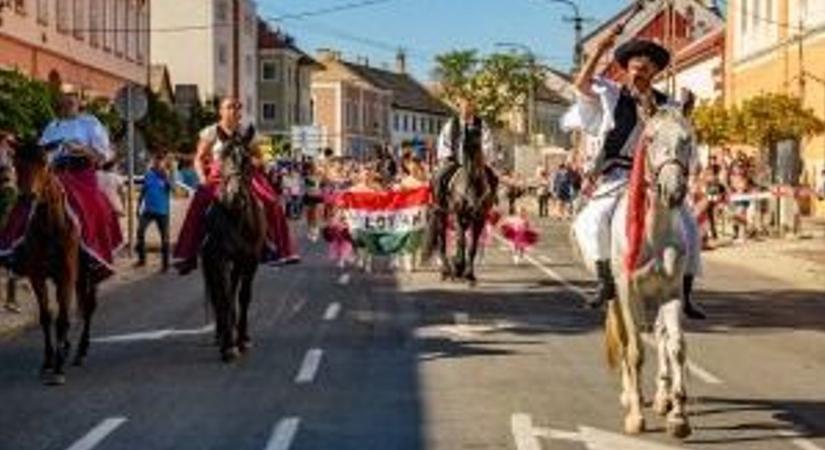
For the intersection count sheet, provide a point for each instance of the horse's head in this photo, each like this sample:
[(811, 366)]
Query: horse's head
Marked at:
[(670, 149), (236, 165), (29, 163)]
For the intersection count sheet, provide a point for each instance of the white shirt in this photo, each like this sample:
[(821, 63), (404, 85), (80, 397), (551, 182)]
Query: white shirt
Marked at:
[(83, 130), (445, 142)]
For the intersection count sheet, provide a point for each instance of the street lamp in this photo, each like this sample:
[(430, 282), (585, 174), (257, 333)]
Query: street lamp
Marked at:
[(531, 94), (578, 22)]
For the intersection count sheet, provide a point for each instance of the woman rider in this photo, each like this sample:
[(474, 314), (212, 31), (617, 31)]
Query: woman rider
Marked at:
[(207, 158)]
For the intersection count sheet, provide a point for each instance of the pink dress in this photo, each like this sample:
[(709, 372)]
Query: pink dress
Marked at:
[(517, 231), (339, 241)]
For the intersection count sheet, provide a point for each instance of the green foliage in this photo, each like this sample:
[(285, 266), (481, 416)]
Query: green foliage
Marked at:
[(760, 121), (26, 106), (498, 82), (162, 126), (712, 122)]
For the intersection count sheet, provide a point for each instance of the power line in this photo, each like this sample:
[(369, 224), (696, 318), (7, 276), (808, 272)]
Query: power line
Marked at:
[(330, 10)]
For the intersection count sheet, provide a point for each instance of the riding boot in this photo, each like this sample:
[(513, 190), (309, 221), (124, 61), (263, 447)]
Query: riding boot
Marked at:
[(691, 310), (606, 290)]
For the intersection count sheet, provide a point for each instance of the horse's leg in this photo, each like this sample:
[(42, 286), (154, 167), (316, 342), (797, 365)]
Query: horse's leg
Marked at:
[(87, 302), (634, 357), (42, 294), (677, 422), (460, 259), (245, 298), (476, 228), (229, 348), (662, 400), (446, 264), (64, 290)]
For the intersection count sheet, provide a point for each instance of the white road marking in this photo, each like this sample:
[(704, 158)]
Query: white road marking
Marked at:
[(156, 335), (523, 432), (309, 367), (798, 441), (332, 311), (344, 279), (283, 434), (694, 368), (98, 434), (596, 439)]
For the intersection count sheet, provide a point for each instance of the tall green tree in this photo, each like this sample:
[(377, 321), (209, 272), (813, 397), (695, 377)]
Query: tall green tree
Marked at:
[(713, 123), (769, 118), (26, 106), (455, 71)]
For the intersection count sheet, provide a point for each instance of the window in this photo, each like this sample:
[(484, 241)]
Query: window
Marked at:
[(131, 33), (247, 25), (249, 105), (143, 34), (756, 15), (268, 111), (406, 124), (396, 122), (769, 10), (414, 121), (118, 16), (20, 6), (269, 71), (222, 11), (79, 19), (94, 22), (43, 11), (250, 70), (108, 14), (222, 54), (744, 15)]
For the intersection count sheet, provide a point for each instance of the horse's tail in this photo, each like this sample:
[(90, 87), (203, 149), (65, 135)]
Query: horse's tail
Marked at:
[(433, 234), (615, 335)]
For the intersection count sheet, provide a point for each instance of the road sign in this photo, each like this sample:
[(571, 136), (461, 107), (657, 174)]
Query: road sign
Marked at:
[(131, 102), (308, 140)]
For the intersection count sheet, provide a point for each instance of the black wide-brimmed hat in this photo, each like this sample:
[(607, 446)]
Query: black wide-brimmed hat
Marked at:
[(642, 47)]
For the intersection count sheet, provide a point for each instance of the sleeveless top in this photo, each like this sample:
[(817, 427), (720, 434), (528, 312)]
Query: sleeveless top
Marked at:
[(213, 169), (617, 152), (471, 135)]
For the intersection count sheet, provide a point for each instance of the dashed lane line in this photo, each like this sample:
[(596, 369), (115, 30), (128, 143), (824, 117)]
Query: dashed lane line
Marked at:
[(332, 312), (98, 434), (523, 432), (309, 366), (283, 434)]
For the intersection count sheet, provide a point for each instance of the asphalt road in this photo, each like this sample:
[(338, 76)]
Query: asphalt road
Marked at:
[(397, 361)]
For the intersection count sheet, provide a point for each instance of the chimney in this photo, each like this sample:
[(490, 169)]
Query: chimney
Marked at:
[(326, 55), (401, 61)]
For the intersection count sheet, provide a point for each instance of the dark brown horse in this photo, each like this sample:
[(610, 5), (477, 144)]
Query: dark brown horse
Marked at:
[(470, 194), (235, 226), (51, 251)]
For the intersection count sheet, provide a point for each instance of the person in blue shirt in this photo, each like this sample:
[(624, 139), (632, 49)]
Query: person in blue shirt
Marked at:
[(153, 206)]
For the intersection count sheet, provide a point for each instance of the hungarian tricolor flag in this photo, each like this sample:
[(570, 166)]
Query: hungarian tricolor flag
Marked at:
[(386, 223)]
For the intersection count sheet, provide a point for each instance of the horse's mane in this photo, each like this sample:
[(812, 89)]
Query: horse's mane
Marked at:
[(637, 198)]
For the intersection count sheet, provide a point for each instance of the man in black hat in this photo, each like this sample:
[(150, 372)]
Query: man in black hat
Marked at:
[(611, 116)]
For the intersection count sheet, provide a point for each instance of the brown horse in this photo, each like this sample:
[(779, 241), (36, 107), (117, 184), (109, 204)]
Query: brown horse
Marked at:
[(51, 251)]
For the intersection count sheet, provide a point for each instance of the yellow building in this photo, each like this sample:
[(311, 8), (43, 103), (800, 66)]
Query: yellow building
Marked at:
[(779, 46)]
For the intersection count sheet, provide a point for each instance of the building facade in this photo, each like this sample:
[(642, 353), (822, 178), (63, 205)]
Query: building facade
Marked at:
[(777, 46), (284, 83), (96, 45), (202, 54), (361, 107)]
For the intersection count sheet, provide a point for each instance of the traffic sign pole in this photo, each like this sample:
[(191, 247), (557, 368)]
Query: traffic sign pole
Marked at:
[(130, 155)]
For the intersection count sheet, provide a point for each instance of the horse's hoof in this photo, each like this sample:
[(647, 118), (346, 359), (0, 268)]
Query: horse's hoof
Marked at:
[(55, 379), (634, 425), (245, 345), (471, 280), (230, 355), (679, 427), (662, 405)]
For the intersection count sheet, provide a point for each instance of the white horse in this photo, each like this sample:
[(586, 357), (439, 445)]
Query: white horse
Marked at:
[(657, 255)]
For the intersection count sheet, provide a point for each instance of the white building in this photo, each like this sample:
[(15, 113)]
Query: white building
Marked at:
[(193, 38)]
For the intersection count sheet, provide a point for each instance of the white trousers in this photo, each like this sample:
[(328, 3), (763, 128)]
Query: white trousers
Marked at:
[(592, 228)]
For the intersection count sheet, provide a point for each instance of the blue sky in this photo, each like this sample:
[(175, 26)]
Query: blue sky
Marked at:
[(429, 27)]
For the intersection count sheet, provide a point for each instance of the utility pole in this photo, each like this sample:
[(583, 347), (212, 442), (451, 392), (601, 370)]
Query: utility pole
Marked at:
[(801, 51), (236, 49), (578, 27)]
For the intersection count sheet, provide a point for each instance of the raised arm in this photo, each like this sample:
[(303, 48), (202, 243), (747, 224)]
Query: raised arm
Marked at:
[(584, 81)]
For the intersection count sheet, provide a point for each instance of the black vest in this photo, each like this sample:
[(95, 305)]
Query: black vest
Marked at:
[(625, 118), (472, 137)]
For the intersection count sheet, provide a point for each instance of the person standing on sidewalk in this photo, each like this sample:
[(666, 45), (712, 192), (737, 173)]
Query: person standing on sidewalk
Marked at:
[(8, 197), (154, 208)]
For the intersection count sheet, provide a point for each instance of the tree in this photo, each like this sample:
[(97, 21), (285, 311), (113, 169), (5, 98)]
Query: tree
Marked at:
[(162, 126), (498, 83), (767, 119), (713, 123), (26, 106)]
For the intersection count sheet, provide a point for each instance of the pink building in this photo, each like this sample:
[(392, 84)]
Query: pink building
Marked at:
[(97, 45)]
